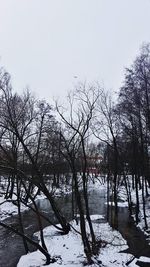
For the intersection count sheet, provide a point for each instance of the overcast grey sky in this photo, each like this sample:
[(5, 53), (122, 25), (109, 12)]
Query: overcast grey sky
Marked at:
[(44, 44)]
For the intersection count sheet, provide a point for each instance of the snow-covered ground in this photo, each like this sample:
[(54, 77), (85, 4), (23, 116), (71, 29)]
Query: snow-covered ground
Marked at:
[(68, 249), (123, 197), (7, 206)]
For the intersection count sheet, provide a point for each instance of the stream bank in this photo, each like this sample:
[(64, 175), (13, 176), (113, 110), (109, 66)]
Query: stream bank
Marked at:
[(125, 225)]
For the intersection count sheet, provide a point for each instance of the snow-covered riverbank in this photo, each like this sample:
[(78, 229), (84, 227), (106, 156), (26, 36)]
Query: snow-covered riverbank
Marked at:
[(68, 250), (123, 197)]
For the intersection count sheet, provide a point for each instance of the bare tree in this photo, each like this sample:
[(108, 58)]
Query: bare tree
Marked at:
[(27, 120), (77, 122), (107, 131)]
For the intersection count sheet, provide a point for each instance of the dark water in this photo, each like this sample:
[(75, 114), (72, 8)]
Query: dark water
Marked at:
[(11, 246), (138, 246)]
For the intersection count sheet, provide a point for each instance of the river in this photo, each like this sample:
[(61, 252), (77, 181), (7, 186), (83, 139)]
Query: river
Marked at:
[(11, 246)]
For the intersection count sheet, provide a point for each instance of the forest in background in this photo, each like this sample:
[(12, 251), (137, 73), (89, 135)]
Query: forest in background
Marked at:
[(90, 136)]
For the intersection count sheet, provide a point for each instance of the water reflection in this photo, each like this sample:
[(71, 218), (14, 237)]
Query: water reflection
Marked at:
[(97, 204), (124, 223)]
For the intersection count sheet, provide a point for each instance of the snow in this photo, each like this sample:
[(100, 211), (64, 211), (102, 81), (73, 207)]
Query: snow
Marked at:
[(123, 197), (141, 259), (144, 259), (120, 204), (7, 208), (68, 249), (96, 217), (69, 252)]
